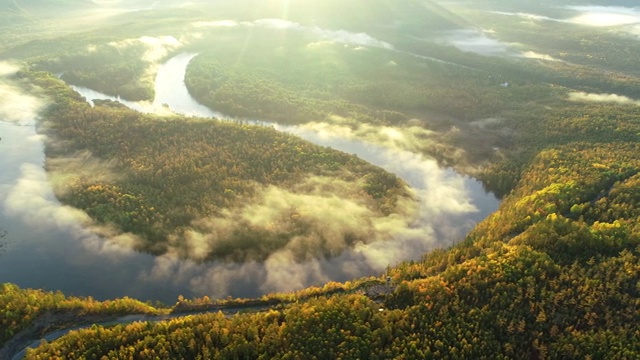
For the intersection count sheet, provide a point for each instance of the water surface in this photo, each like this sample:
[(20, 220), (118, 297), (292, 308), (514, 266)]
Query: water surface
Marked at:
[(50, 246)]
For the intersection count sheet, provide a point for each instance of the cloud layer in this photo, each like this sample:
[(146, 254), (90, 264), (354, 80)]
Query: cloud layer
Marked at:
[(602, 16), (538, 56), (31, 198), (624, 19), (15, 105), (476, 41), (605, 98), (411, 138), (356, 240), (439, 217), (156, 48)]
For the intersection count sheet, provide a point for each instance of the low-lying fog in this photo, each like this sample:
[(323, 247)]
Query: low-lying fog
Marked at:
[(57, 247), (625, 19)]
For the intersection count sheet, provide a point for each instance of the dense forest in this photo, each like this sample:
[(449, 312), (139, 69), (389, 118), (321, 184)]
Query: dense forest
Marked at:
[(456, 103), (553, 273), (157, 177), (309, 81), (23, 308)]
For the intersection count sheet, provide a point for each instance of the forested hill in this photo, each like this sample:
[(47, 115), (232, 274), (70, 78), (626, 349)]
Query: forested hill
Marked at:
[(553, 274), (164, 178), (549, 276)]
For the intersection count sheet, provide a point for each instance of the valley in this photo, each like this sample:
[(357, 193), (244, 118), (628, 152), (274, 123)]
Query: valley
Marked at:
[(283, 151)]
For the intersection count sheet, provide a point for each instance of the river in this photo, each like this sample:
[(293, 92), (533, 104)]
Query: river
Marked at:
[(47, 247)]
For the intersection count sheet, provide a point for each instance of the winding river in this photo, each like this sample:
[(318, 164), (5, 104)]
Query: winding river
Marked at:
[(48, 247)]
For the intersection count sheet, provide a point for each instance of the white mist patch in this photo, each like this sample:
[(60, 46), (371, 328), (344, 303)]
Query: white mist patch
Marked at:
[(537, 56), (218, 23), (339, 36), (170, 268), (346, 37), (625, 18), (155, 47), (441, 215), (526, 16), (31, 198), (319, 44), (15, 104), (7, 69), (64, 170), (486, 123), (438, 191), (476, 41), (279, 24), (106, 2), (278, 273), (604, 16), (320, 216), (411, 138), (284, 275), (443, 201), (603, 98)]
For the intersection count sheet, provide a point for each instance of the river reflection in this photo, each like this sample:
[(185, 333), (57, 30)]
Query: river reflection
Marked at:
[(48, 249), (50, 246)]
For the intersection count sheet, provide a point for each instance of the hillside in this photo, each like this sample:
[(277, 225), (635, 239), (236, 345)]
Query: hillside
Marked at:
[(553, 274)]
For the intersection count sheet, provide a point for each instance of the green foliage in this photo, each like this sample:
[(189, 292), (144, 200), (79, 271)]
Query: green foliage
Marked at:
[(164, 174), (301, 78), (513, 303), (111, 69), (554, 273), (21, 307)]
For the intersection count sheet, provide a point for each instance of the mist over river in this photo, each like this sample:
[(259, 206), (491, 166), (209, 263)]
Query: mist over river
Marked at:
[(51, 246)]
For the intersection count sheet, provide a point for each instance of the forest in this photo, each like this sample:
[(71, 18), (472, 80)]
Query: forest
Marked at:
[(298, 79), (160, 175), (553, 273)]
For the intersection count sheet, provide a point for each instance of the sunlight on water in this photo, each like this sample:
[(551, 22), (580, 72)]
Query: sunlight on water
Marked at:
[(52, 247)]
